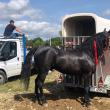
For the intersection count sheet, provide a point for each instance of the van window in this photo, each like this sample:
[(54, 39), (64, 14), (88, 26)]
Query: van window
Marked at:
[(13, 49), (9, 50)]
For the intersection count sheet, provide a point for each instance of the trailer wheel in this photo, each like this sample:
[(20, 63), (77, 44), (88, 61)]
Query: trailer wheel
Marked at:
[(3, 77), (108, 93)]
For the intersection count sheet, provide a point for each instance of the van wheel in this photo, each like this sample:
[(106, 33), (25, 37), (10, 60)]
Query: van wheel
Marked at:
[(2, 77)]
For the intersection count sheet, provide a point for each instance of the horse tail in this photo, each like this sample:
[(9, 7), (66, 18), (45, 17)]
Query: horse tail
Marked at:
[(26, 69)]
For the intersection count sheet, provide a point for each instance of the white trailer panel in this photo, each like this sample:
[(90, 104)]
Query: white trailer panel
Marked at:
[(83, 24)]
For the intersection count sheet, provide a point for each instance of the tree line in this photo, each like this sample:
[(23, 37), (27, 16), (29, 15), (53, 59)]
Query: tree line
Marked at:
[(56, 41)]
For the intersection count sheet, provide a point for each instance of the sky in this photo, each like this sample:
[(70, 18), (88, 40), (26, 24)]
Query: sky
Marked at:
[(42, 18)]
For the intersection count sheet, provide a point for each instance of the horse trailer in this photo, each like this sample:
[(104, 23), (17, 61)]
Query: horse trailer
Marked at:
[(75, 29)]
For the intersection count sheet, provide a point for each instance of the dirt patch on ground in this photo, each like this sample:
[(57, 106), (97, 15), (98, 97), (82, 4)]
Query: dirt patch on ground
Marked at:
[(57, 97), (61, 100)]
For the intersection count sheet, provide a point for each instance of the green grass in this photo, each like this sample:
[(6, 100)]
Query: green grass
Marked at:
[(16, 86)]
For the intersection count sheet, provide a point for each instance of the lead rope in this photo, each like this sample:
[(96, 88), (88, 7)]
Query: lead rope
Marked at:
[(101, 71), (95, 51)]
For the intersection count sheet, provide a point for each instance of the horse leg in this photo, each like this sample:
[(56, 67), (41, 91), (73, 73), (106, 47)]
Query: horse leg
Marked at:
[(86, 89), (39, 82)]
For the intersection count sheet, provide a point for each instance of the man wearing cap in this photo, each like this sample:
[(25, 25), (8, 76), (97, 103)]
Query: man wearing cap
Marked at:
[(9, 30)]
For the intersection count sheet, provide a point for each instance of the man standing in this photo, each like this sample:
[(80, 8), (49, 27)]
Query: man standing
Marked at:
[(9, 30)]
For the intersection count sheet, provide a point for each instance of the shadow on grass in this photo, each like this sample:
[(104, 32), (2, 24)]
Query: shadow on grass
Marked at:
[(18, 77), (14, 78)]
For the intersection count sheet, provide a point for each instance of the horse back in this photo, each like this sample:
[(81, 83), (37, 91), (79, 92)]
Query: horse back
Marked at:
[(74, 62)]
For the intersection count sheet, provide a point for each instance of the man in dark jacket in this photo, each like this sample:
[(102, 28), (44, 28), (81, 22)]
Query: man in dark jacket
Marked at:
[(9, 30)]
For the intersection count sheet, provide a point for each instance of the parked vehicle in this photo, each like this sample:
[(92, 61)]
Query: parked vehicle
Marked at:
[(12, 56), (75, 29)]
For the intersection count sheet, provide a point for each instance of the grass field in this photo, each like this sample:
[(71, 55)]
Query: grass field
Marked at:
[(14, 84)]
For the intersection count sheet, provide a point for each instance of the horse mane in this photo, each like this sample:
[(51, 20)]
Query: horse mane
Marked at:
[(88, 44)]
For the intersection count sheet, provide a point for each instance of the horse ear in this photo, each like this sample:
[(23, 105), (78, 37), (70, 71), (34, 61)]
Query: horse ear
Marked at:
[(104, 29), (109, 31)]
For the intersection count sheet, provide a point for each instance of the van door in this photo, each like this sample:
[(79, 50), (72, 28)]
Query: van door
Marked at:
[(10, 58)]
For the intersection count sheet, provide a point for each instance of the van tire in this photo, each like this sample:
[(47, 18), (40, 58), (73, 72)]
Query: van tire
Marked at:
[(3, 77)]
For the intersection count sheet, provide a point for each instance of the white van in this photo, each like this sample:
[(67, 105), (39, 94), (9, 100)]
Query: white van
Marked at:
[(12, 55)]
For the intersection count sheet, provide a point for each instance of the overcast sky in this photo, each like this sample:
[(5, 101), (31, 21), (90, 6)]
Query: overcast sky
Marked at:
[(43, 17)]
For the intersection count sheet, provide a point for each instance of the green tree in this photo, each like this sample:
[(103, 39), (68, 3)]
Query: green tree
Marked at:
[(38, 41), (56, 41)]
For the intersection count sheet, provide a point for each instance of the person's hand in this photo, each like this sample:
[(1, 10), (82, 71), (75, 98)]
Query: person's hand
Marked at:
[(20, 34)]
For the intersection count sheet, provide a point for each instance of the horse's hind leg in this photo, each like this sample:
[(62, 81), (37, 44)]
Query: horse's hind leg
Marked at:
[(86, 89), (39, 82)]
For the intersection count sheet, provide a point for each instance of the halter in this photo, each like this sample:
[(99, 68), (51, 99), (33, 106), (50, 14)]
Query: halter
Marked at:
[(95, 45)]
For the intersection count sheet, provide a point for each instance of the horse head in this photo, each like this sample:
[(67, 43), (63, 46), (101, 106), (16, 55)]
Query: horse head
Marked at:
[(102, 40), (104, 37)]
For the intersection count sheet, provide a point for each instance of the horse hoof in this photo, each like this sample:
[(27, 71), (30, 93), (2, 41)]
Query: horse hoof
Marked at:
[(45, 105), (42, 103), (87, 104)]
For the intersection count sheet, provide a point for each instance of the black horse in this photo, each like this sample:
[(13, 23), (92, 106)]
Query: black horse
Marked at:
[(80, 61)]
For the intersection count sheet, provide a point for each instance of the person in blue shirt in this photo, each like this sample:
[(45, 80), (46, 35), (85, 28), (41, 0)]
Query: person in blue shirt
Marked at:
[(8, 33)]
